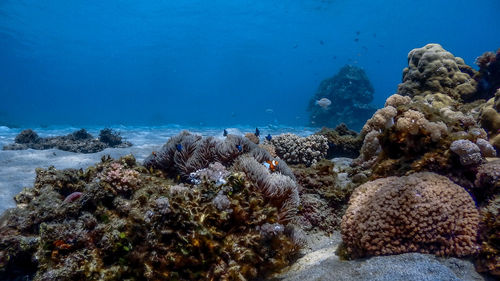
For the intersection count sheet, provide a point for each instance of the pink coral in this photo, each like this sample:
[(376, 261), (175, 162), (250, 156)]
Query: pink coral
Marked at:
[(120, 178), (422, 212), (469, 152)]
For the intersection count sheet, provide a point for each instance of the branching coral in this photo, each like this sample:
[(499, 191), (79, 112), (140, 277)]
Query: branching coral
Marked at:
[(296, 150), (423, 212), (120, 178)]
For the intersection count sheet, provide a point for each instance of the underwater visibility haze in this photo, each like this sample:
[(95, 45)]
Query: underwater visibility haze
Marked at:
[(343, 140), (217, 62)]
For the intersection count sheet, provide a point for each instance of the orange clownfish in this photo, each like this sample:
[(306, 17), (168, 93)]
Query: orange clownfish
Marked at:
[(271, 164)]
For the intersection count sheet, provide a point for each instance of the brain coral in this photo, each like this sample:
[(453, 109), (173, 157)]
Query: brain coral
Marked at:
[(297, 150), (422, 212), (432, 69)]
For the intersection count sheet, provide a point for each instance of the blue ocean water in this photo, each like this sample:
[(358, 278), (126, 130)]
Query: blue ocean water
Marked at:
[(213, 63)]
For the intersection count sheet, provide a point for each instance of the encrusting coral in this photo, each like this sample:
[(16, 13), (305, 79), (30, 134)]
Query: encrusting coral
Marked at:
[(422, 212), (119, 220), (300, 150), (323, 200)]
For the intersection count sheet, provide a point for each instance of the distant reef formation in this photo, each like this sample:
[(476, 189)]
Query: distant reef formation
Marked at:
[(350, 94), (79, 141)]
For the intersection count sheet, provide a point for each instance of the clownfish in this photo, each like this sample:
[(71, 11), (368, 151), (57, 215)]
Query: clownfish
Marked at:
[(271, 165)]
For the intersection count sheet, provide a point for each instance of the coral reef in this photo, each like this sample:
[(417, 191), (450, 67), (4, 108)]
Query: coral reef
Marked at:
[(488, 76), (422, 212), (487, 193), (79, 141), (125, 221), (432, 69), (300, 150), (490, 119), (323, 200), (342, 142), (488, 259), (412, 135), (350, 93)]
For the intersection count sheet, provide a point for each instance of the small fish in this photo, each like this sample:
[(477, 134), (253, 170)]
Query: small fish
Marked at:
[(257, 132), (323, 102), (356, 39), (239, 147), (73, 197), (225, 133), (178, 147), (271, 165), (321, 42), (358, 32), (268, 137)]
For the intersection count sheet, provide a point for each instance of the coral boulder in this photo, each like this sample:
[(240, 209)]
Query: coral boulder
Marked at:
[(422, 212)]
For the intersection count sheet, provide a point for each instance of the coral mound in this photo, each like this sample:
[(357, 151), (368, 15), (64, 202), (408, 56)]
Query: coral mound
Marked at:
[(79, 141), (432, 69), (422, 212), (118, 220), (350, 93)]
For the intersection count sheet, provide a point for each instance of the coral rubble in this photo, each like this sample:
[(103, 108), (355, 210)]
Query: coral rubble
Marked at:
[(79, 141), (350, 93)]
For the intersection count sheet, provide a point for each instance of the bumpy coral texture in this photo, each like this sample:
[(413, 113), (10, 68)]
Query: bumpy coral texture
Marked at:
[(432, 69), (158, 232), (469, 152), (423, 212), (488, 259), (490, 119), (298, 150)]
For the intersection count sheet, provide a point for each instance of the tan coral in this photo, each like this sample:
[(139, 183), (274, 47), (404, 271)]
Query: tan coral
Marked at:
[(294, 149), (415, 122), (381, 119), (397, 100), (423, 212), (432, 69), (490, 119)]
